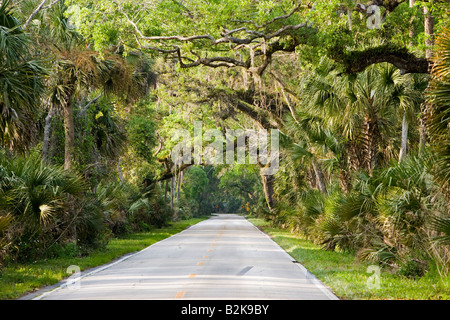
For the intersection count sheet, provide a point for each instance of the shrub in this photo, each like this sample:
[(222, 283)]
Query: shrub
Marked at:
[(37, 198), (413, 268)]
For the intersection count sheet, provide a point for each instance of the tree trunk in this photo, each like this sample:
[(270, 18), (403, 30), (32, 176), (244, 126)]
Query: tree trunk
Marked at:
[(404, 142), (355, 155), (412, 31), (180, 180), (371, 135), (429, 42), (166, 188), (429, 32), (311, 178), (320, 178), (349, 19), (172, 185), (69, 132), (268, 188), (344, 181), (428, 22), (48, 123), (422, 136)]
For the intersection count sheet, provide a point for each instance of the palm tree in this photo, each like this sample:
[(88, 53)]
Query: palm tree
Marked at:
[(33, 190), (406, 92), (362, 109), (21, 84), (438, 123), (439, 115), (308, 132), (36, 199), (78, 70)]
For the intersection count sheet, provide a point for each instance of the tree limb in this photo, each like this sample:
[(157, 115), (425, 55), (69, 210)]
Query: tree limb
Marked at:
[(357, 61), (35, 12), (296, 8), (39, 8), (160, 145), (51, 4), (227, 37), (253, 114), (83, 110)]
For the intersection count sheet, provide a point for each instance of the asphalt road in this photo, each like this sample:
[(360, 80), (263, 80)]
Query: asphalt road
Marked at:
[(222, 258)]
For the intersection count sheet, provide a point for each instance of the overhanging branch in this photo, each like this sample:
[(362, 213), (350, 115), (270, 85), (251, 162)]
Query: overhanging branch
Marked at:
[(406, 62), (253, 40)]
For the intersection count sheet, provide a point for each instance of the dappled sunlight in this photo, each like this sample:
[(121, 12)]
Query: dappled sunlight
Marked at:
[(242, 263)]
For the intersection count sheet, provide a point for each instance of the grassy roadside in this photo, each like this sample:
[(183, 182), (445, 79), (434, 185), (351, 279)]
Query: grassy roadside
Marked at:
[(352, 279), (18, 280)]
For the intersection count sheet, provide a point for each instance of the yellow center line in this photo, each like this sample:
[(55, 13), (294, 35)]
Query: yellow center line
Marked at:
[(179, 294)]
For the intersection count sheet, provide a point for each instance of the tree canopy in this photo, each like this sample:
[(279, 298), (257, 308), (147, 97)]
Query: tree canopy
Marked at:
[(247, 34)]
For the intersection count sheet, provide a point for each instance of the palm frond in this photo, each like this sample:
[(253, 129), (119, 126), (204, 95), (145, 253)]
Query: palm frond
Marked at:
[(439, 100), (442, 225), (34, 190)]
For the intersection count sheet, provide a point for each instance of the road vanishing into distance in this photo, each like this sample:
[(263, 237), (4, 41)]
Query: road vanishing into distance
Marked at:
[(222, 258)]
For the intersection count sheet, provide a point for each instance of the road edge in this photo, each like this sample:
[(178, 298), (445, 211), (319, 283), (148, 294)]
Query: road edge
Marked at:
[(311, 277), (43, 292)]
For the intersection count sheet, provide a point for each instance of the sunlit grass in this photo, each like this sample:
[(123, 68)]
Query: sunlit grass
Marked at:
[(341, 272), (17, 280), (349, 278)]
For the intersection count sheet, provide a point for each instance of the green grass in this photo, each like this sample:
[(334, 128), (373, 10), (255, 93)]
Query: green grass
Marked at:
[(349, 278), (342, 272), (18, 280)]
